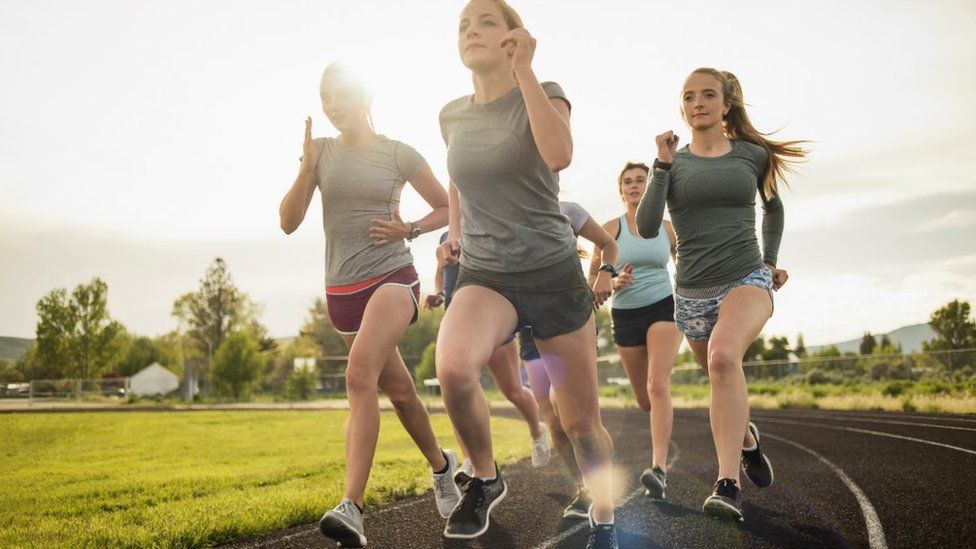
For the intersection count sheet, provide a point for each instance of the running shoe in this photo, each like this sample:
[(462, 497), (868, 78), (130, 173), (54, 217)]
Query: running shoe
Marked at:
[(755, 465), (446, 493), (466, 467), (344, 524), (470, 518), (725, 502), (602, 536), (580, 506), (655, 480), (540, 448)]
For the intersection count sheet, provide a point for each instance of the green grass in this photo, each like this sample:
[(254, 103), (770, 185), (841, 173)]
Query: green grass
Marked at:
[(190, 479)]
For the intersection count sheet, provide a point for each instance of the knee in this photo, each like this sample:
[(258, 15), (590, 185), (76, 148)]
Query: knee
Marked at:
[(402, 397), (722, 361), (515, 393), (455, 370), (659, 388), (580, 430), (358, 381)]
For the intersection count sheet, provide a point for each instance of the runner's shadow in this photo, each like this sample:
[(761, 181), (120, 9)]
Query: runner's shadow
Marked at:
[(672, 510), (630, 540), (777, 528)]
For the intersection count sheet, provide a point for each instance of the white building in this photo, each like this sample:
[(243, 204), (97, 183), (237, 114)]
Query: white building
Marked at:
[(153, 380)]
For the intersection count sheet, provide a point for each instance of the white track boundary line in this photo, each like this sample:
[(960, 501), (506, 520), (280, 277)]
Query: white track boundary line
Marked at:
[(876, 539), (558, 538), (869, 432), (887, 422)]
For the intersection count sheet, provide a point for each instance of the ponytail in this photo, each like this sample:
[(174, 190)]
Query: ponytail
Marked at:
[(782, 154)]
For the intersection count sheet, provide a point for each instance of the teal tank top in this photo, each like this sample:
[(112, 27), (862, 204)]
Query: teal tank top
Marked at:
[(649, 258)]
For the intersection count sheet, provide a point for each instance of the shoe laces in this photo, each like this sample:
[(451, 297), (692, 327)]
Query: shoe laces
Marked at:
[(348, 507), (726, 487), (443, 482), (472, 494)]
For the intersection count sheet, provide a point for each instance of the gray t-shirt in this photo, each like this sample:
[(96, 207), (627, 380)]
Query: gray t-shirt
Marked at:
[(712, 202), (510, 218), (357, 186)]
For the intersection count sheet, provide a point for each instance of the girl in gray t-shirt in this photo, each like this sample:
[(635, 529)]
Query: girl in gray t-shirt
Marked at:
[(506, 144), (371, 285), (725, 281)]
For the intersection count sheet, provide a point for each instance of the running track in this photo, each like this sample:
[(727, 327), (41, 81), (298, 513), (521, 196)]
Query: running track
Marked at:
[(843, 479)]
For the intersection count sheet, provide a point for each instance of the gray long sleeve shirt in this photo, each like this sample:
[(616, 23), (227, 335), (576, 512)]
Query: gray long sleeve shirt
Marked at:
[(712, 201)]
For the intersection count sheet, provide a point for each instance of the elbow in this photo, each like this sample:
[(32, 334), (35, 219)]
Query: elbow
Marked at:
[(558, 161), (288, 225), (646, 232)]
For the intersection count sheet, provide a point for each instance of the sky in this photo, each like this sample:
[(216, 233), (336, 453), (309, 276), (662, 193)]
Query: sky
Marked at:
[(138, 141)]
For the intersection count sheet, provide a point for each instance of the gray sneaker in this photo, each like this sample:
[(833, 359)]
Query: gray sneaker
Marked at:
[(446, 493), (344, 524), (655, 480)]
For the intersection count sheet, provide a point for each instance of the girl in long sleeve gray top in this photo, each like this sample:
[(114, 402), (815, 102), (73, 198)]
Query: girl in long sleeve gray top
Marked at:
[(725, 281)]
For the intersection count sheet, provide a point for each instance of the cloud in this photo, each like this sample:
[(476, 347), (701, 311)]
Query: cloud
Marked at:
[(956, 219)]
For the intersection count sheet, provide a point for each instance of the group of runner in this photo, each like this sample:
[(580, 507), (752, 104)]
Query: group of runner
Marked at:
[(510, 265)]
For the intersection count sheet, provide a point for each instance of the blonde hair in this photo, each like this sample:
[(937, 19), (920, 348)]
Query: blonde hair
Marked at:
[(512, 18), (737, 126)]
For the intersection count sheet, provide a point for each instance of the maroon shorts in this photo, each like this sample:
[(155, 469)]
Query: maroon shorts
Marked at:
[(346, 304)]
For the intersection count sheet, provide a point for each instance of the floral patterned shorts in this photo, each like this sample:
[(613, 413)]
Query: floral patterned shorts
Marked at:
[(696, 318)]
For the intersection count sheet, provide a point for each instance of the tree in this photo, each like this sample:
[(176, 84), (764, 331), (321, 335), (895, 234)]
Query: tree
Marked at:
[(427, 368), (779, 349), (955, 329), (141, 351), (755, 349), (76, 337), (216, 310), (885, 342), (801, 349), (868, 344), (319, 330), (236, 365)]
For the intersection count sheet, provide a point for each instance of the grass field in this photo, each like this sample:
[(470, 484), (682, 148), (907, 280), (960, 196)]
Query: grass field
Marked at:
[(191, 479)]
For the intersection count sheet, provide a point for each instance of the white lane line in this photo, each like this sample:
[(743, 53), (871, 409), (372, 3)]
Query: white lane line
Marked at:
[(887, 422), (869, 432), (876, 539), (878, 415), (558, 538)]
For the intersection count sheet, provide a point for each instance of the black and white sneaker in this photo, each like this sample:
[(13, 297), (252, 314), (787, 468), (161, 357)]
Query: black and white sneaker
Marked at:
[(344, 524), (602, 536), (580, 506), (755, 465), (655, 480), (470, 518), (725, 502)]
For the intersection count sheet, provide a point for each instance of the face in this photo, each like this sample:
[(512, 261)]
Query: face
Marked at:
[(702, 103), (632, 185), (343, 102), (480, 31)]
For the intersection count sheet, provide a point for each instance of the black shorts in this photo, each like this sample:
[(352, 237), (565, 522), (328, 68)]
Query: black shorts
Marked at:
[(554, 300), (527, 349), (630, 325)]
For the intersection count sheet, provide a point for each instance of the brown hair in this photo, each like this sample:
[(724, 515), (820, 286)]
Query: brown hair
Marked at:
[(737, 126), (630, 166), (512, 18), (343, 72)]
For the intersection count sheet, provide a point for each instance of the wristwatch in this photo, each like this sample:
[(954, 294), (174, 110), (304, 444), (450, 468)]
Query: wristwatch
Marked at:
[(610, 269), (414, 231), (658, 165)]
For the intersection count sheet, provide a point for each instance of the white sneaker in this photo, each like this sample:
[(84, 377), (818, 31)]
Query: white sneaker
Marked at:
[(466, 467), (344, 524), (540, 448), (446, 493)]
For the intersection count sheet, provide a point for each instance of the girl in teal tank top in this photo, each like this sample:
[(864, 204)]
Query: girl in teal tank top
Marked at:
[(643, 320)]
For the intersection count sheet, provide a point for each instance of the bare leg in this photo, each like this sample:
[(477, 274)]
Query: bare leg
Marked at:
[(539, 380), (478, 321), (571, 364), (504, 368), (663, 340)]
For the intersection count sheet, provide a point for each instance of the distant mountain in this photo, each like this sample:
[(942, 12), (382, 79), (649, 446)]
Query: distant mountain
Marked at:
[(909, 337), (14, 347)]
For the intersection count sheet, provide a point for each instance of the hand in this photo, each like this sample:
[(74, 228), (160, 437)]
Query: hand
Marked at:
[(521, 48), (310, 151), (384, 232), (602, 288), (434, 301), (667, 146), (448, 253), (625, 279), (780, 276)]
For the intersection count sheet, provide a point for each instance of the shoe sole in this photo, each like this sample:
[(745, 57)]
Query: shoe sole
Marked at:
[(336, 529), (718, 507), (755, 434), (575, 514), (652, 488), (487, 518)]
